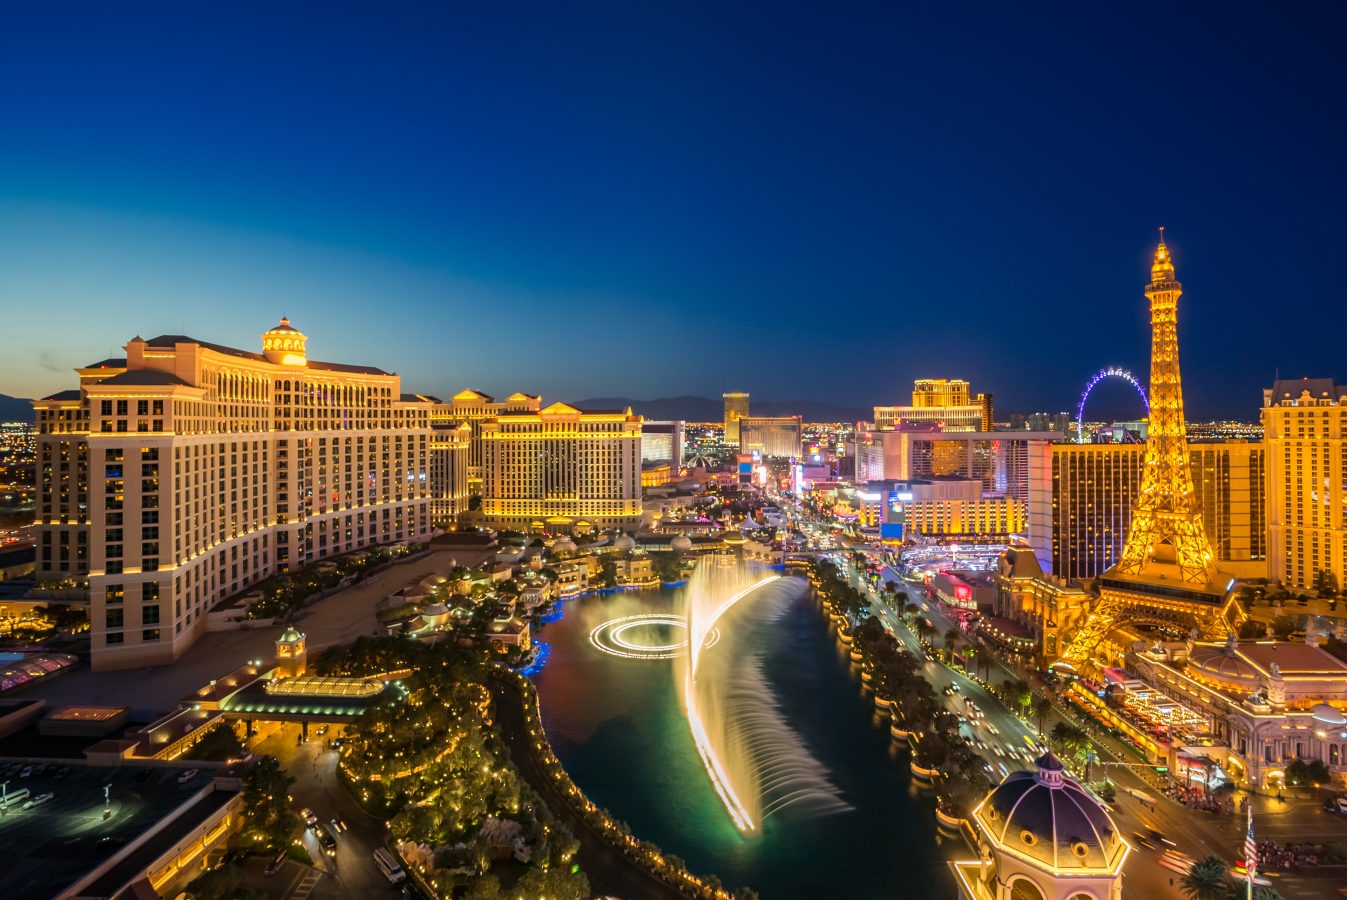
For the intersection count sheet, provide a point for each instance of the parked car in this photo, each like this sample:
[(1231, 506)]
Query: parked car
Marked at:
[(188, 775), (34, 802), (27, 770)]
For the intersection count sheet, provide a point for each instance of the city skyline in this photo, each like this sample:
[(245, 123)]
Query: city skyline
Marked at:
[(432, 192)]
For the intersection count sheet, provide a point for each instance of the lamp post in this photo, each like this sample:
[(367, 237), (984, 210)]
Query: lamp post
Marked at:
[(107, 800), (4, 799)]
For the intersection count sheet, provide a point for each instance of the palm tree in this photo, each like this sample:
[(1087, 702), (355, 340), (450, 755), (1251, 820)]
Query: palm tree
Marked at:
[(1041, 710), (1208, 879), (952, 642)]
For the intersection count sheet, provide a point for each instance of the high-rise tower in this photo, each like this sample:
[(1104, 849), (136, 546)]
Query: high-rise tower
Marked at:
[(1166, 579), (1166, 527)]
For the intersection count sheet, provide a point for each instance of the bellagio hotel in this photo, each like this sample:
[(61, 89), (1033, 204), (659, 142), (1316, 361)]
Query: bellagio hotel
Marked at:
[(187, 472)]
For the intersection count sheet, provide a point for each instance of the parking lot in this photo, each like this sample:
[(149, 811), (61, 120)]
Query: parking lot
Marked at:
[(49, 845)]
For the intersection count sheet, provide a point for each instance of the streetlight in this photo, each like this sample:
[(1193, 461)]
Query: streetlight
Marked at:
[(107, 800)]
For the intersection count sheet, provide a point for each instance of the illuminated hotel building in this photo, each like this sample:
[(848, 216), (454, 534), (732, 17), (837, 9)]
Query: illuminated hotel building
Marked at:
[(450, 447), (774, 436), (185, 473), (662, 441), (474, 407), (1305, 438), (938, 401), (999, 461), (562, 468), (1081, 496), (736, 408)]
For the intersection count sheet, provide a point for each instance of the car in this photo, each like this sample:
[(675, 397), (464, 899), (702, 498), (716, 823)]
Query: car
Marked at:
[(322, 730), (276, 862), (992, 728), (954, 687), (1159, 837), (1142, 840), (327, 839), (310, 819), (27, 770), (188, 775), (34, 802)]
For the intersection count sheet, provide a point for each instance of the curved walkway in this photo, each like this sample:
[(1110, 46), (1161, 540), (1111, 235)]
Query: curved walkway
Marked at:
[(609, 871)]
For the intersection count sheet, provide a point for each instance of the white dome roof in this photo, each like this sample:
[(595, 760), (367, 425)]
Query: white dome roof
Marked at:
[(681, 544), (625, 542)]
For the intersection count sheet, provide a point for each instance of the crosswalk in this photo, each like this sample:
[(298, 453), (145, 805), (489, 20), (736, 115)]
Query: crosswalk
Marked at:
[(305, 885)]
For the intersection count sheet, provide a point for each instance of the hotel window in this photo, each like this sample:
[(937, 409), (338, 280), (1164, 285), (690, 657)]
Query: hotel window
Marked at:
[(114, 618), (116, 638)]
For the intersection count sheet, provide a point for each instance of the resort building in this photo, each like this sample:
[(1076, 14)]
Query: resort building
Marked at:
[(562, 468), (185, 473), (771, 436), (450, 450), (1247, 707), (1305, 439), (946, 403), (474, 407), (662, 442), (736, 408), (1001, 461)]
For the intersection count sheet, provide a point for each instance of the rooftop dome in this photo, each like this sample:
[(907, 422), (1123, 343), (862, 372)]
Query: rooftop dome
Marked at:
[(290, 635), (1048, 817), (624, 543), (1221, 662), (681, 544), (734, 538), (563, 544)]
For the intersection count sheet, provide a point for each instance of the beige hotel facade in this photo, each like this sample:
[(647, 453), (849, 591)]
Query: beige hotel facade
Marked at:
[(562, 469), (187, 472)]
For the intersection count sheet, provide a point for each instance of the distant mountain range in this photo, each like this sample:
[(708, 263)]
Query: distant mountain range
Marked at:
[(15, 409), (706, 409)]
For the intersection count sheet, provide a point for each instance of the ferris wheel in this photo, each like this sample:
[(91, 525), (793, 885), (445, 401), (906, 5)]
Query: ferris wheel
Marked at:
[(1110, 372)]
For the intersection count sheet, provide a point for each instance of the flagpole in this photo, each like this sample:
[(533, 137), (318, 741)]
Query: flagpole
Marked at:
[(1250, 858)]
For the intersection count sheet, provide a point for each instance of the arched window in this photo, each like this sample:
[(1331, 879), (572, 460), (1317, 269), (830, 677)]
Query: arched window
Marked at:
[(1024, 889)]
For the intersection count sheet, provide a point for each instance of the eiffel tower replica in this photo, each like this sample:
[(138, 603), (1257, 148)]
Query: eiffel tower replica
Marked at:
[(1167, 577)]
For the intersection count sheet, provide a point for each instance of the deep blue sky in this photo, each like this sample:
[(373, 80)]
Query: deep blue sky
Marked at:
[(654, 199)]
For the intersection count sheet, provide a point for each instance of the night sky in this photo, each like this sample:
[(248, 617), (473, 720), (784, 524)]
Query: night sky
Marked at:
[(645, 199)]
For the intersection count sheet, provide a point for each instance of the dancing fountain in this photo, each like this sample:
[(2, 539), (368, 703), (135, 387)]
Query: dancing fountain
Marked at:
[(757, 764)]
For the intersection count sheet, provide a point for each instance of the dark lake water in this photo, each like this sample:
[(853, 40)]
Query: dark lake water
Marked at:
[(618, 727)]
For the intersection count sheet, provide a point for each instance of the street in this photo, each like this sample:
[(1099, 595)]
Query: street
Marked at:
[(351, 872)]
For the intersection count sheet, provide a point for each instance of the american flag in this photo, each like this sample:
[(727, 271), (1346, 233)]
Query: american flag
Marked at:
[(1250, 849)]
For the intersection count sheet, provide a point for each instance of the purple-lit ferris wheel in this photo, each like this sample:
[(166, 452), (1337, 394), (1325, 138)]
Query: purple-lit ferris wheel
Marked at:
[(1110, 372)]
